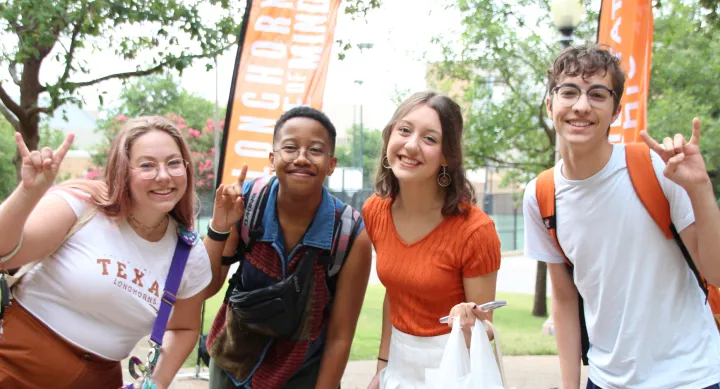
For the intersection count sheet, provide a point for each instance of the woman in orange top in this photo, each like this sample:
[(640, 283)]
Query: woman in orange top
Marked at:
[(437, 253)]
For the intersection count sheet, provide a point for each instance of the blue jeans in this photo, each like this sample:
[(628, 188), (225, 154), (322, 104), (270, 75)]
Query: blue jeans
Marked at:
[(590, 385)]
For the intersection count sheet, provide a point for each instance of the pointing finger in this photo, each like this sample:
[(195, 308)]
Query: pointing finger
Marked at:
[(652, 143), (64, 147), (24, 152), (243, 173), (695, 139)]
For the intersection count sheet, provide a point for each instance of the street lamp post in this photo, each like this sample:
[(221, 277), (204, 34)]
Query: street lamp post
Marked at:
[(566, 15), (362, 46), (360, 129)]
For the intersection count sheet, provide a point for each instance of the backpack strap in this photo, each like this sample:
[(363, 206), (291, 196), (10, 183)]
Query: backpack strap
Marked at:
[(347, 222), (648, 189), (545, 194), (346, 225), (251, 226)]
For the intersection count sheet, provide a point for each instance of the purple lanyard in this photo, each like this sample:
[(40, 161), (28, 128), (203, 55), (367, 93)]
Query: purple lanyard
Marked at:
[(185, 241), (172, 284)]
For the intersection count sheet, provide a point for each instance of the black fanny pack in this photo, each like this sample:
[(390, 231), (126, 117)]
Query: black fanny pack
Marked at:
[(277, 310)]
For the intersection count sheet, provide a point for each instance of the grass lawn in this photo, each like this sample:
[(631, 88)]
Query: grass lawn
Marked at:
[(520, 332)]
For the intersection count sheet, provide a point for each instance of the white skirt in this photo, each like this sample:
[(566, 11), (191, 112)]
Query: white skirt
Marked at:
[(409, 357)]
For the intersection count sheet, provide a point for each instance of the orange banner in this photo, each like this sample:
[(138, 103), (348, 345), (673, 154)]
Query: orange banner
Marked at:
[(283, 63), (627, 27)]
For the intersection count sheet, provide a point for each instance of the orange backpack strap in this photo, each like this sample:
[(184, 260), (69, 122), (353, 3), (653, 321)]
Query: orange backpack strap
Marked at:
[(545, 194), (647, 186), (648, 189)]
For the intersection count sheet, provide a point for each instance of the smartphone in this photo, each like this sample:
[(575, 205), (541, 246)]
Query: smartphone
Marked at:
[(487, 307)]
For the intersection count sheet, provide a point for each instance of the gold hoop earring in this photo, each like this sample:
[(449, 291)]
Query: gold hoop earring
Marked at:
[(444, 178), (385, 158)]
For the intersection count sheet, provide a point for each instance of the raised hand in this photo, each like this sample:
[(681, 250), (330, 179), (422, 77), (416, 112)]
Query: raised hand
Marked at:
[(40, 167), (685, 164), (229, 205)]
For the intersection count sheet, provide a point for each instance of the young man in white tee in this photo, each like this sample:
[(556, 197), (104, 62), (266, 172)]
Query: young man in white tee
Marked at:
[(646, 317)]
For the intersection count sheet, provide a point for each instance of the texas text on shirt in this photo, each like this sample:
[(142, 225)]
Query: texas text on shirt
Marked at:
[(74, 283)]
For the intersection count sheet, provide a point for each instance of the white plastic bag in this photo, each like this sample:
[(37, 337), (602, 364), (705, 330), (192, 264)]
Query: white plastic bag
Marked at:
[(453, 371), (486, 368), (460, 368)]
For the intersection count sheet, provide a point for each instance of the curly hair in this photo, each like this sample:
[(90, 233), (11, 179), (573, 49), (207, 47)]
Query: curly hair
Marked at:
[(310, 113), (586, 61)]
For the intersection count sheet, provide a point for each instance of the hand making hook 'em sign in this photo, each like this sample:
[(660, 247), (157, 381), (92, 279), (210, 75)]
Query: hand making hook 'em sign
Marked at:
[(685, 164), (229, 205), (40, 167)]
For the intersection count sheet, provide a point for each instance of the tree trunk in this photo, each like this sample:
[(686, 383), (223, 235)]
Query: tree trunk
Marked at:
[(30, 90), (540, 304)]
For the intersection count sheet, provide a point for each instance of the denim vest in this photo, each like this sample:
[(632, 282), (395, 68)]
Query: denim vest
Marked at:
[(260, 270)]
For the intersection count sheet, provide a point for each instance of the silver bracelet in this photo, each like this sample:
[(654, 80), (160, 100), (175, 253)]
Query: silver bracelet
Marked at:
[(13, 252), (217, 232)]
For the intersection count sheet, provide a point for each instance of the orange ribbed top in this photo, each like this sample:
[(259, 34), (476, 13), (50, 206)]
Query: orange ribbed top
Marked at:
[(424, 280)]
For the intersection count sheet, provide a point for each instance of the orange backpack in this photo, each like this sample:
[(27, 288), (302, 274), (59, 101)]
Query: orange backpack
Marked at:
[(648, 189)]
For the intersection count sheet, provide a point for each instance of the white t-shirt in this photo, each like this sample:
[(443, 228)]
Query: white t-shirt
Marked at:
[(101, 289), (648, 324)]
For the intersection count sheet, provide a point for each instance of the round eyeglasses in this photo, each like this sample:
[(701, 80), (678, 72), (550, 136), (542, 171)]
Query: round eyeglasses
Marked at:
[(149, 170), (314, 154), (568, 95)]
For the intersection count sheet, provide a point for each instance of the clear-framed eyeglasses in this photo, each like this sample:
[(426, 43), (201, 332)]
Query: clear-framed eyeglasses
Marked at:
[(149, 170), (315, 154), (597, 96)]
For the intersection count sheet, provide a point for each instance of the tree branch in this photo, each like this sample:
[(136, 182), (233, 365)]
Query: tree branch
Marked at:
[(519, 165), (12, 69), (11, 105), (548, 131), (34, 111), (137, 73), (9, 116), (71, 50)]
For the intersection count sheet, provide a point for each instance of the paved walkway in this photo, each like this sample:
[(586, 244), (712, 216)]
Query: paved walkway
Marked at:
[(522, 372), (517, 275)]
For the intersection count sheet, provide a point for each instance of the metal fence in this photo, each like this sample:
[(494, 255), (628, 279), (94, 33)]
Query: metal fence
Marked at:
[(504, 208)]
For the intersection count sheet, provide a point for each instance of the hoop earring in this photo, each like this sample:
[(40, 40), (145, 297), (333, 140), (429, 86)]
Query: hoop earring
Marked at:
[(444, 178), (382, 162)]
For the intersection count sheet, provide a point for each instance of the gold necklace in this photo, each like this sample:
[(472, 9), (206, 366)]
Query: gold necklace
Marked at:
[(136, 221)]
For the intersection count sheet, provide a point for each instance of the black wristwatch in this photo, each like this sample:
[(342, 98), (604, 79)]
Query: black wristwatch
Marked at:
[(215, 235)]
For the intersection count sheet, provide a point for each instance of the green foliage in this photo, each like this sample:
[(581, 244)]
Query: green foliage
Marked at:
[(85, 26), (51, 137), (162, 95), (502, 58), (685, 63), (372, 146), (7, 153)]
